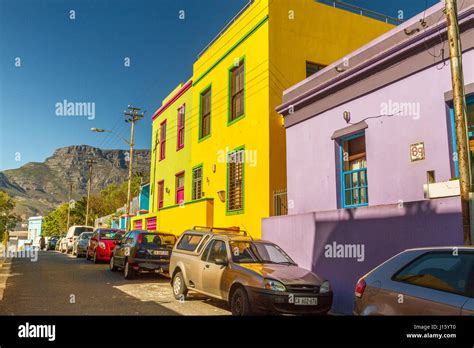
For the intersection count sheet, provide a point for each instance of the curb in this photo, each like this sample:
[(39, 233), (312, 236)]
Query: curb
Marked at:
[(5, 274)]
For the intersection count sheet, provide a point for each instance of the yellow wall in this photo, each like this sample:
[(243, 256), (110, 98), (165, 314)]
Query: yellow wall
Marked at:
[(251, 131), (171, 219)]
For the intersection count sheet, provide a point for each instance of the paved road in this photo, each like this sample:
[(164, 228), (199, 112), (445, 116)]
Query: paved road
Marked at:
[(59, 284)]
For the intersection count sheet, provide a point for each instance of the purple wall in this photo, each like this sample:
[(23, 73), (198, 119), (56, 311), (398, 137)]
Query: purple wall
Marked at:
[(312, 156), (383, 231)]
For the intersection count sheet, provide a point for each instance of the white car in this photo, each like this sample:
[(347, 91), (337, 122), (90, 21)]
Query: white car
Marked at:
[(63, 245), (72, 235)]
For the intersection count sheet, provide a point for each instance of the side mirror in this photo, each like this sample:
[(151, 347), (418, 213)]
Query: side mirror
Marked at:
[(221, 262), (118, 242)]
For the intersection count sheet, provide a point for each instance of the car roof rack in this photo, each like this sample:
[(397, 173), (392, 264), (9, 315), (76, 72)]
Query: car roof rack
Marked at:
[(220, 229)]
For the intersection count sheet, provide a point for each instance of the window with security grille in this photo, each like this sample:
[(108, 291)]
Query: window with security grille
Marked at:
[(205, 114), (197, 183), (235, 181), (237, 92)]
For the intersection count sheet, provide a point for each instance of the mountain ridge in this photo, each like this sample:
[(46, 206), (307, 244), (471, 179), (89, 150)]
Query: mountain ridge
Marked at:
[(39, 187)]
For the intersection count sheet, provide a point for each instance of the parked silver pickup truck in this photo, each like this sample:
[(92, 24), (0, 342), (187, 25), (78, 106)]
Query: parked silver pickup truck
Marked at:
[(251, 275)]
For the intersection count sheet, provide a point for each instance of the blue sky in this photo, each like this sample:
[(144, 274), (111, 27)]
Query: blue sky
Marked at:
[(82, 60)]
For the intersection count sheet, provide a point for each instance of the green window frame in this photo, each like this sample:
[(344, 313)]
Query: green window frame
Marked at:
[(205, 98), (235, 181), (236, 97), (197, 183)]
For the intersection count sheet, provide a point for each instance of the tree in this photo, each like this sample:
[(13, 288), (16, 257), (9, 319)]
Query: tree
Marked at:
[(54, 224), (8, 220)]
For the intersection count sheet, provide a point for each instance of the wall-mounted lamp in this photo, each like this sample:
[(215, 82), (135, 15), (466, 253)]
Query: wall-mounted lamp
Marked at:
[(221, 195), (167, 190), (347, 116)]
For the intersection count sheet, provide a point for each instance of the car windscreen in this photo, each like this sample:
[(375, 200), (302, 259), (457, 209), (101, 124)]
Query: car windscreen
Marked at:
[(110, 235), (158, 239), (79, 230), (251, 252), (189, 242), (86, 235)]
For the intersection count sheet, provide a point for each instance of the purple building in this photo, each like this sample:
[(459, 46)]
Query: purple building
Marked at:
[(371, 153)]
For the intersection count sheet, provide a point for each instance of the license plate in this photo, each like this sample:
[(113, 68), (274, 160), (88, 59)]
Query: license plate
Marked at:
[(161, 252), (306, 301)]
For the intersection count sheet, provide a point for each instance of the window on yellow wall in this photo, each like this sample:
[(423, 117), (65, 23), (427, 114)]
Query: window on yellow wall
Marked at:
[(237, 92), (205, 117), (181, 112), (161, 193), (313, 68), (180, 188), (197, 183), (235, 181), (163, 140)]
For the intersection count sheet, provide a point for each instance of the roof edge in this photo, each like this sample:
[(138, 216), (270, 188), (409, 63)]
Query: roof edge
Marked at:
[(171, 100)]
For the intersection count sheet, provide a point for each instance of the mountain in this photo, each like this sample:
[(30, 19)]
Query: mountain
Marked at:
[(39, 187)]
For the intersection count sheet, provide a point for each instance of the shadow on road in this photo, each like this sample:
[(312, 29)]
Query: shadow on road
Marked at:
[(61, 285)]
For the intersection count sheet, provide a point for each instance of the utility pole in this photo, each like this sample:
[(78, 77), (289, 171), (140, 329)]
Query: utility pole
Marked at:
[(90, 163), (459, 103), (69, 205), (132, 116)]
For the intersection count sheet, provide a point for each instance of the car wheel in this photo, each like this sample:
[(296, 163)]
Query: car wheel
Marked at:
[(179, 287), (112, 267), (239, 303), (128, 271), (95, 257)]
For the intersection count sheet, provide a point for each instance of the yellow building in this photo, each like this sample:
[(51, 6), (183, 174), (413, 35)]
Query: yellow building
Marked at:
[(233, 164)]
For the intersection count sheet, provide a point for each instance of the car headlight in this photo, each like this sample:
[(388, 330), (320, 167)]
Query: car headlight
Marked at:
[(273, 285), (102, 245), (325, 287)]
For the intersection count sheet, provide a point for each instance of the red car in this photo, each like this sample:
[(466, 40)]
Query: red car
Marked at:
[(102, 243)]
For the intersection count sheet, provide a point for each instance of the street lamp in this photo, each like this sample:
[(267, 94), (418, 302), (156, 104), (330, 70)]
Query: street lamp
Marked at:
[(101, 130)]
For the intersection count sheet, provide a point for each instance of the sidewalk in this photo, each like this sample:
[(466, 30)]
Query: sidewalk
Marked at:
[(5, 265)]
